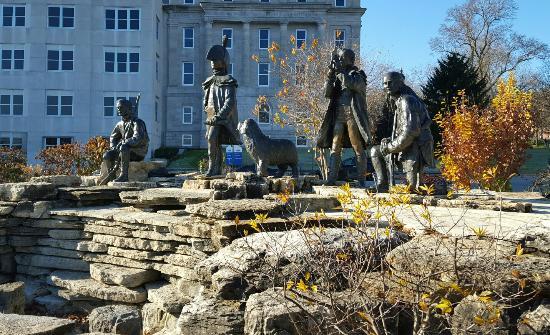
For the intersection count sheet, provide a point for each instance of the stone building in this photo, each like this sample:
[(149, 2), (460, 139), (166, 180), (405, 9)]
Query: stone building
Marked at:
[(65, 62), (251, 25)]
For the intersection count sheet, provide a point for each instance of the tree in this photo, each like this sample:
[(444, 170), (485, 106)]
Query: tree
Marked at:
[(301, 102), (487, 145), (482, 30), (453, 74)]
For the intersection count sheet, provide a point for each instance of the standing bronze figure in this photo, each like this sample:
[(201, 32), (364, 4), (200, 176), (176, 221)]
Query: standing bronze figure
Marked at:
[(220, 106), (129, 142), (411, 140), (345, 123)]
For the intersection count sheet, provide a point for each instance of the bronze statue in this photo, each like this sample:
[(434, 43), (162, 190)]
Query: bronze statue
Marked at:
[(220, 105), (346, 122), (411, 139), (129, 142), (266, 151)]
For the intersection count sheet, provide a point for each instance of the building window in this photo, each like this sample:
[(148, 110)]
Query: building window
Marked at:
[(186, 140), (301, 141), (156, 108), (339, 38), (189, 2), (60, 17), (157, 67), (13, 16), (340, 3), (264, 38), (11, 104), (263, 74), (59, 104), (301, 0), (187, 115), (230, 69), (300, 74), (229, 33), (8, 140), (122, 19), (301, 37), (60, 60), (188, 74), (51, 142), (264, 114), (12, 58), (109, 101), (264, 0), (188, 37), (157, 27), (121, 60)]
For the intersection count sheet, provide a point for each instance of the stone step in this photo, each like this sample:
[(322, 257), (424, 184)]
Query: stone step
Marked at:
[(118, 275), (27, 191), (300, 202), (81, 283), (230, 209), (11, 324), (165, 197)]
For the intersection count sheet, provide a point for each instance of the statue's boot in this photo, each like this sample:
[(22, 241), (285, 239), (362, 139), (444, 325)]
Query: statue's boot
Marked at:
[(214, 164), (412, 180), (381, 171), (333, 168), (124, 166), (362, 170)]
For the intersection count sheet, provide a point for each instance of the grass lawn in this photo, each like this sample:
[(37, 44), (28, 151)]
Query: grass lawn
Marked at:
[(190, 159), (536, 161)]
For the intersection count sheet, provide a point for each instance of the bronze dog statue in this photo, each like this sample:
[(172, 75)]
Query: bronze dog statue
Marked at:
[(266, 151)]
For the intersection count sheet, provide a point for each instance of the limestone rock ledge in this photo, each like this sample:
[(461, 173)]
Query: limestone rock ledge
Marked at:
[(81, 283)]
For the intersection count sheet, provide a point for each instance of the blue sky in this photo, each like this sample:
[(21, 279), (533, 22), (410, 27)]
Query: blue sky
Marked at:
[(399, 31)]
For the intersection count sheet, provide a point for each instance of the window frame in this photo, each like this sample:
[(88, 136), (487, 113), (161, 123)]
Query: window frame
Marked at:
[(183, 73), (14, 135), (304, 40), (342, 40), (62, 16), (268, 111), (189, 114), (261, 74), (12, 48), (118, 51), (116, 19), (60, 49), (189, 137), (12, 94), (14, 16), (115, 96), (192, 38), (260, 38), (229, 38), (301, 145), (58, 140), (59, 103)]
